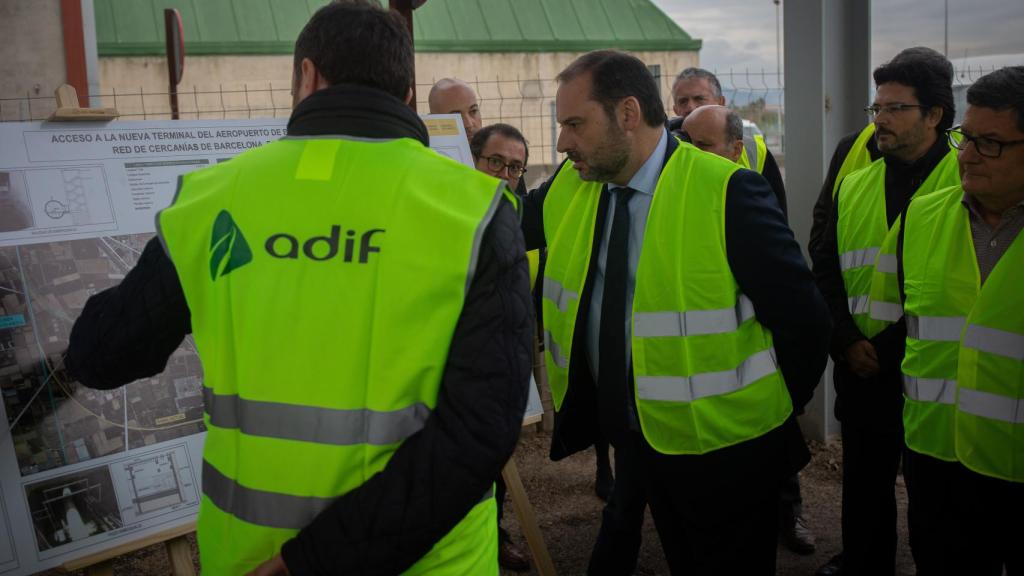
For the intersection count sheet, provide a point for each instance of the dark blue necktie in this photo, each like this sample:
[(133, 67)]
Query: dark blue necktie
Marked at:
[(613, 374)]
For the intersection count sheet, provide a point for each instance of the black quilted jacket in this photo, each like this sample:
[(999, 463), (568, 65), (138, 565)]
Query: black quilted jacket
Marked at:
[(438, 474)]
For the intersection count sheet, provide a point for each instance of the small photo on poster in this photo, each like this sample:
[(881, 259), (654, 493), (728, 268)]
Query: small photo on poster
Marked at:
[(73, 507)]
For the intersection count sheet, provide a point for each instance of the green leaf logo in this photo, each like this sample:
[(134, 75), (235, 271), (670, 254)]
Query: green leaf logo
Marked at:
[(228, 248)]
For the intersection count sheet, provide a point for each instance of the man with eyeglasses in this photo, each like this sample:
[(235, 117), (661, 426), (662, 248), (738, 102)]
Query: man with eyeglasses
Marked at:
[(500, 150), (960, 257), (912, 108), (453, 96)]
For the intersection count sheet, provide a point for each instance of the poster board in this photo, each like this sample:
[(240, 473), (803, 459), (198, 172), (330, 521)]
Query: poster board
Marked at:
[(81, 470)]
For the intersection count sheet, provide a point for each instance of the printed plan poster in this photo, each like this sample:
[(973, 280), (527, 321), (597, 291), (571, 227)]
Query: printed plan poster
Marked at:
[(84, 470)]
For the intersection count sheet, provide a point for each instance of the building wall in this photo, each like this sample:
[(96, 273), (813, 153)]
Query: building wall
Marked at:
[(33, 55), (516, 88)]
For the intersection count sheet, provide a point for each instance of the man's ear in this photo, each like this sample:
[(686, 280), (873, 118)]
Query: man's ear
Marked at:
[(408, 95), (630, 114), (933, 117), (737, 152), (309, 80)]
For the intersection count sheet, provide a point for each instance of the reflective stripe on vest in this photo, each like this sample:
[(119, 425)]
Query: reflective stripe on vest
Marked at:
[(263, 508), (557, 294), (699, 354), (690, 388), (887, 263), (991, 406), (858, 258), (937, 328), (300, 301), (313, 423), (754, 153), (886, 299), (858, 305), (994, 341), (555, 350), (930, 389), (692, 322)]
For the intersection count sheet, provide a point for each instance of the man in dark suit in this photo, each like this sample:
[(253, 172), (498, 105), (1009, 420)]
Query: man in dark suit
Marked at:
[(689, 351)]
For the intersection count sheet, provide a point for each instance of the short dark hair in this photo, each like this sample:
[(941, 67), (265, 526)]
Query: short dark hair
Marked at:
[(615, 76), (691, 73), (928, 73), (476, 145), (1000, 90), (358, 42), (733, 126)]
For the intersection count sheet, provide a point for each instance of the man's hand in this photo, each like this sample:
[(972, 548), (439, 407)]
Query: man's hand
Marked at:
[(273, 567), (862, 358)]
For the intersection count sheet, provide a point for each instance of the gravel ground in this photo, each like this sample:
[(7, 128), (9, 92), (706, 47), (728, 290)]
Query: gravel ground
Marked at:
[(562, 494)]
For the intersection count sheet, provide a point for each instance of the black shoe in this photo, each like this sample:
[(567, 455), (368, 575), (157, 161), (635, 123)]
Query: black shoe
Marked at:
[(798, 537), (605, 483), (834, 567)]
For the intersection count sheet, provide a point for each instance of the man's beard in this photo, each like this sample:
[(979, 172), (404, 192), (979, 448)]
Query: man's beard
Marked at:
[(902, 145), (608, 159)]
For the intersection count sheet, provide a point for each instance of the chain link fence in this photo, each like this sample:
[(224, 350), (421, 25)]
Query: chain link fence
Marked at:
[(527, 103)]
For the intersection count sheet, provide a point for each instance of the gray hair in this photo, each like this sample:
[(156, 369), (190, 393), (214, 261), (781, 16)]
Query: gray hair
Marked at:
[(733, 126), (691, 73)]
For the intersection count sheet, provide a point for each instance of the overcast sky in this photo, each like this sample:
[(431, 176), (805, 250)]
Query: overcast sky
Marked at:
[(740, 34)]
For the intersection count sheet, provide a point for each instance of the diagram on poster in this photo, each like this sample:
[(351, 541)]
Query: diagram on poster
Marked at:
[(156, 483)]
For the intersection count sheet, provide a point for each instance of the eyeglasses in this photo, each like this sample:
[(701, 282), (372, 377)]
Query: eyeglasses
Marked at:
[(875, 110), (987, 147), (497, 164)]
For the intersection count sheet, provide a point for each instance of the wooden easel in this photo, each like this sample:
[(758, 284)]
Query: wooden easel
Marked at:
[(520, 502), (178, 550)]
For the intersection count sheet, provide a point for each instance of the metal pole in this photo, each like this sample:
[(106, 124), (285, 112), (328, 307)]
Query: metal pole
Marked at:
[(405, 7), (175, 55), (945, 39), (778, 63)]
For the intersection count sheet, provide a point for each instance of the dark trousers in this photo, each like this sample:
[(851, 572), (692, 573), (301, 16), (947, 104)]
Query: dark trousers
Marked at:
[(870, 411), (791, 503), (618, 542), (717, 513), (989, 528), (931, 488)]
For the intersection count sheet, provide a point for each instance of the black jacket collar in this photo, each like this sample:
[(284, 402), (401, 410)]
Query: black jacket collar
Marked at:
[(352, 110)]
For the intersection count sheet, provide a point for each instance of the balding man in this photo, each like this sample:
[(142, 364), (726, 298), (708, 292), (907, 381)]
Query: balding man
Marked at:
[(716, 129), (453, 96), (719, 129)]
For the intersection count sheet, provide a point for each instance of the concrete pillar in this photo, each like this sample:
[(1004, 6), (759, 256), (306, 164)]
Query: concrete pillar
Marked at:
[(827, 61)]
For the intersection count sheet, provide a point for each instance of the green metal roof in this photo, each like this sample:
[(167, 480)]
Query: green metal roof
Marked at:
[(136, 28)]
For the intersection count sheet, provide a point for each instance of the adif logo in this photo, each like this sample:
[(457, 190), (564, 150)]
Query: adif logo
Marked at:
[(320, 248), (228, 248)]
